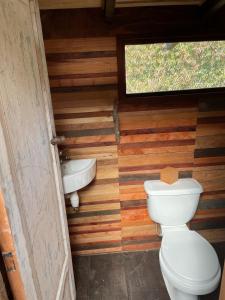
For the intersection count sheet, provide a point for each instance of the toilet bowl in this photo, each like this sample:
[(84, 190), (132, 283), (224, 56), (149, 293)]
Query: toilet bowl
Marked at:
[(189, 264)]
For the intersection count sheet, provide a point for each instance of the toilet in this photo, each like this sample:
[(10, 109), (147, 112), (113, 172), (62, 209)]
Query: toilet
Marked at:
[(189, 264)]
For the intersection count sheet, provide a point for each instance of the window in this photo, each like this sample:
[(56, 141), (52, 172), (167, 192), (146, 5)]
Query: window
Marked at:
[(161, 67)]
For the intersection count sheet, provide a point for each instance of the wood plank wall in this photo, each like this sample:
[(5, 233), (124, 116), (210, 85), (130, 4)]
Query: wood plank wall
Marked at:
[(132, 141), (187, 133), (153, 135), (209, 163), (87, 117)]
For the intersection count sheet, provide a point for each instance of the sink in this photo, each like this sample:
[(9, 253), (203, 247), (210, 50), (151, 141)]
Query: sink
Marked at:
[(76, 174)]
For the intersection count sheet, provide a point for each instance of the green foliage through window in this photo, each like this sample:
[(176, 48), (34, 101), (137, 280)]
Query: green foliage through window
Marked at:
[(174, 66)]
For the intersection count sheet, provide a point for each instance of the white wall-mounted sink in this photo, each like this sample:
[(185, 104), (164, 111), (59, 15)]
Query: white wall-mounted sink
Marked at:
[(76, 174)]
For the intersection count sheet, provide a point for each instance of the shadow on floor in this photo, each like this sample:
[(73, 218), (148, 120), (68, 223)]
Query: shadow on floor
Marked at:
[(132, 276)]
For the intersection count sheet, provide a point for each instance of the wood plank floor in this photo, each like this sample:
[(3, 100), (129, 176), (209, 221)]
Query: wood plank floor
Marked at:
[(122, 276)]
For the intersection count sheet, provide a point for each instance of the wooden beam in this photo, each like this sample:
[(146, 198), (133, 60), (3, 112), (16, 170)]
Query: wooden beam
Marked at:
[(144, 3), (66, 4), (210, 7), (71, 4), (109, 9)]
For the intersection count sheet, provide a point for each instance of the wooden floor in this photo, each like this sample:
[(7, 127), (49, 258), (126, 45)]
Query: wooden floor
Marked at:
[(133, 276)]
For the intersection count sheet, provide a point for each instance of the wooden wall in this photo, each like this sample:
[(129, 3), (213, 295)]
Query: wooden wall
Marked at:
[(87, 117), (153, 135), (132, 141), (209, 163), (187, 133)]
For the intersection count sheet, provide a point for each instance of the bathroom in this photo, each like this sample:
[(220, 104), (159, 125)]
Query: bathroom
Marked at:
[(114, 242), (99, 121)]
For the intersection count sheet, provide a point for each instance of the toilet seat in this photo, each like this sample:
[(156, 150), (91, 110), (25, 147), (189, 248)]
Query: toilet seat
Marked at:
[(189, 261)]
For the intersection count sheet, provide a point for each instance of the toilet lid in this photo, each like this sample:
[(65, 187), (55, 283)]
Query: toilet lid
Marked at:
[(189, 255)]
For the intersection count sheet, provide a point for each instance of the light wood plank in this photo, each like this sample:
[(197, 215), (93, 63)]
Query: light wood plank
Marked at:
[(155, 159), (83, 66), (61, 4), (83, 81), (80, 44), (141, 3)]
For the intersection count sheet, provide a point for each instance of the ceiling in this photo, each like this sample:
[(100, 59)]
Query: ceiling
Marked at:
[(62, 4)]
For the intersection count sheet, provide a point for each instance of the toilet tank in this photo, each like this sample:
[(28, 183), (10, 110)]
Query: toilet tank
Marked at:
[(172, 204)]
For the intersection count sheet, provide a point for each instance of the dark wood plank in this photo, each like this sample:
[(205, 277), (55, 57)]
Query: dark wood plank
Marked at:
[(211, 7), (155, 21), (109, 9)]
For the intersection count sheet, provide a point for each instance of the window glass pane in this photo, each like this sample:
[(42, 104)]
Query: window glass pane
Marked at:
[(174, 66)]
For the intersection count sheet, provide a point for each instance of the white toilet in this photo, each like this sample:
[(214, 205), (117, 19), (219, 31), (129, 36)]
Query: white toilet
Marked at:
[(189, 264)]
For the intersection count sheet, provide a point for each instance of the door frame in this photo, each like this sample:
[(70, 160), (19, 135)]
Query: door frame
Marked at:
[(9, 190), (52, 133)]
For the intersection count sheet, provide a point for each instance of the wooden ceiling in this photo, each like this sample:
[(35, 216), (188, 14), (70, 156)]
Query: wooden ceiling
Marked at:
[(62, 4)]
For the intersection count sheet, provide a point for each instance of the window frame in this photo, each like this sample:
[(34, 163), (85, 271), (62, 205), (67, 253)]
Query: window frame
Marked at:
[(123, 41)]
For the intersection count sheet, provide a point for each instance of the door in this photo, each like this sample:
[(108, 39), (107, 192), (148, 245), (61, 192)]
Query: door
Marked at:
[(29, 167)]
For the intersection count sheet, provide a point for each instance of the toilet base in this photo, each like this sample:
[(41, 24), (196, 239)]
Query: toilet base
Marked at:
[(181, 296), (176, 294)]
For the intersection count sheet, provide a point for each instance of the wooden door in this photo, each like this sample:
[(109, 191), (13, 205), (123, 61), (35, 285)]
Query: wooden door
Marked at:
[(29, 166)]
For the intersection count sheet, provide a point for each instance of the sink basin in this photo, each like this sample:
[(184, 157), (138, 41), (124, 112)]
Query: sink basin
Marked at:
[(76, 174)]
